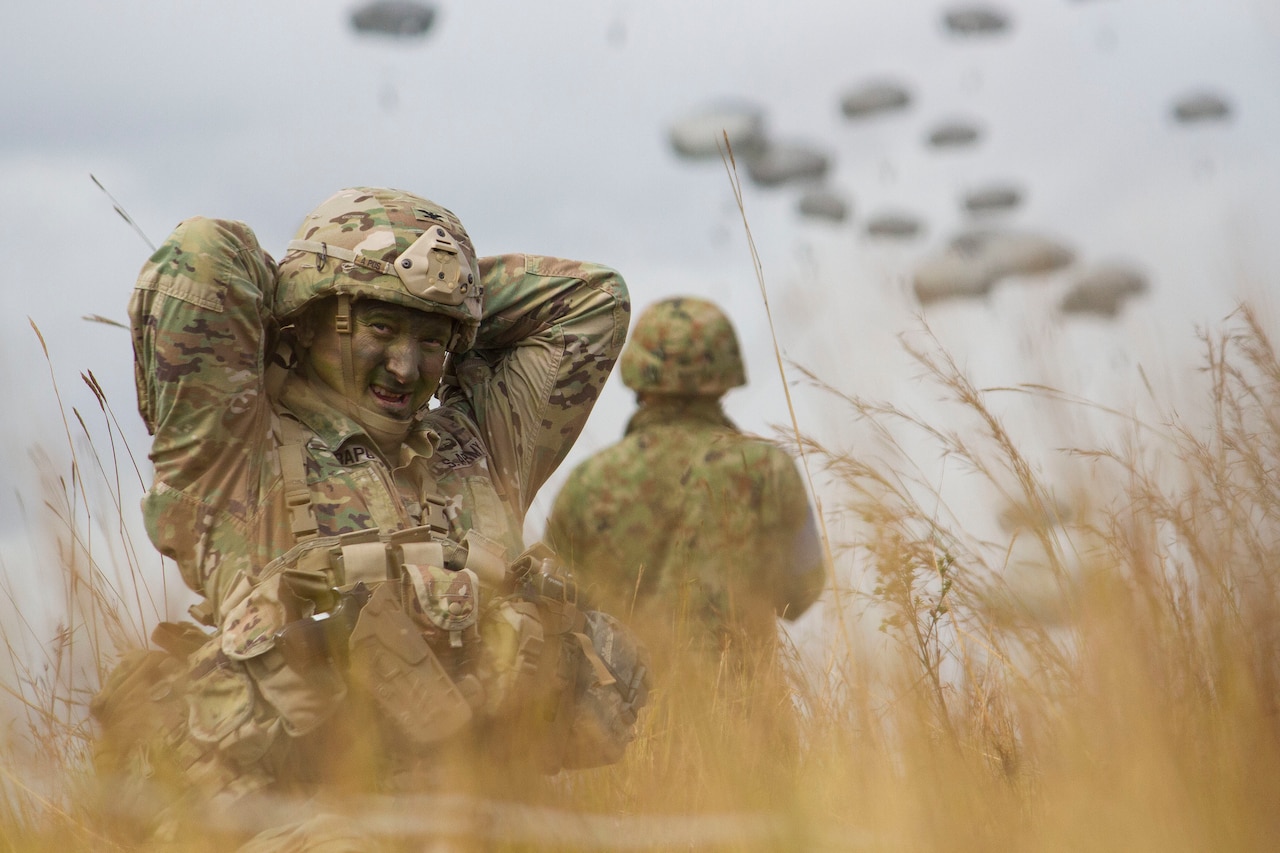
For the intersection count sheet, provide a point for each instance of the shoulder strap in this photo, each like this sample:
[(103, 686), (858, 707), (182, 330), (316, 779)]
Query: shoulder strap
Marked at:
[(297, 494)]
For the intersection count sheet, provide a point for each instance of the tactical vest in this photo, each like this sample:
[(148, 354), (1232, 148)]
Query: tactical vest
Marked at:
[(435, 634)]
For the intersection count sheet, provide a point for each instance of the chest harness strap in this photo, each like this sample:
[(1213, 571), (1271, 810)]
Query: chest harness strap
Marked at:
[(293, 466)]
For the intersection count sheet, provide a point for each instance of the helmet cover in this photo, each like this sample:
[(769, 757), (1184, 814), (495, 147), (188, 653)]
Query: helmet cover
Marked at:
[(683, 345), (388, 245)]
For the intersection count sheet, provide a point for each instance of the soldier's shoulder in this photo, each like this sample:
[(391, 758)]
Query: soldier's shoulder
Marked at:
[(458, 443), (731, 453), (729, 442), (448, 420), (606, 461)]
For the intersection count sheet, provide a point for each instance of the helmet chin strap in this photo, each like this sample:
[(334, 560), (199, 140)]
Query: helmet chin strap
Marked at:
[(344, 324)]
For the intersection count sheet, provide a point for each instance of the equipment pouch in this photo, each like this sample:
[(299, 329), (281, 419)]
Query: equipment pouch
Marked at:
[(612, 687), (392, 663), (220, 696), (513, 669), (441, 601), (303, 697), (222, 710)]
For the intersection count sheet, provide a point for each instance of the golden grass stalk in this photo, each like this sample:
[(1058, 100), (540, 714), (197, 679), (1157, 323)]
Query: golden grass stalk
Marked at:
[(1133, 706)]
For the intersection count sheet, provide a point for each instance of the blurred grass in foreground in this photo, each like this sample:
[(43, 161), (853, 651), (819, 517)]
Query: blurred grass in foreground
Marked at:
[(1134, 707)]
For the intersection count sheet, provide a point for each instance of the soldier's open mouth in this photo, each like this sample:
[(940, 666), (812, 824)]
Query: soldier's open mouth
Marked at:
[(389, 398)]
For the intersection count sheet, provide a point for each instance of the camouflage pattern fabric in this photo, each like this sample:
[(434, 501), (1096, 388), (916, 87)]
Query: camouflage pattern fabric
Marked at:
[(380, 223), (687, 523), (683, 345), (510, 409)]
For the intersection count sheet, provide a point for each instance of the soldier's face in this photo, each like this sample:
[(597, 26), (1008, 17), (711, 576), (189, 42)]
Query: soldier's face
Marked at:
[(398, 354)]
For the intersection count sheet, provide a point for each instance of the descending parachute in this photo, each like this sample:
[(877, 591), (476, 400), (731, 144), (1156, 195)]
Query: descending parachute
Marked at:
[(897, 226), (782, 162), (1102, 291), (701, 135), (874, 99), (952, 275), (976, 20), (1201, 107), (991, 199), (393, 18), (954, 134), (823, 204), (974, 261), (1012, 252), (1040, 579)]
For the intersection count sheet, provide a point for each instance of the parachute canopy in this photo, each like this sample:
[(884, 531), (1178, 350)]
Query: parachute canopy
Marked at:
[(954, 134), (975, 20), (784, 162), (1201, 107), (700, 135), (1103, 290), (402, 18), (974, 261), (1012, 252), (874, 98), (991, 199), (823, 204), (892, 226), (952, 275)]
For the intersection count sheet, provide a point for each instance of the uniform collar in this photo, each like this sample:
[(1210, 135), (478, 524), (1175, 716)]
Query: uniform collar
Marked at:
[(667, 410)]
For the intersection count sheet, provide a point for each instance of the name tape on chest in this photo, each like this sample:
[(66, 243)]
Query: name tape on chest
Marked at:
[(356, 454)]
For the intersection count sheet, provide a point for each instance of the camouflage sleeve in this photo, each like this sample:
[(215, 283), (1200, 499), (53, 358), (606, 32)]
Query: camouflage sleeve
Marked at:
[(551, 332), (801, 579), (199, 320)]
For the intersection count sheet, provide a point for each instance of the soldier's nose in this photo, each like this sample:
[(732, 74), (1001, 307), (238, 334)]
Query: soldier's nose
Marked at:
[(402, 362)]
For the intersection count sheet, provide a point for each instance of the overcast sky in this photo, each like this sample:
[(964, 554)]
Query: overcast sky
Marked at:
[(544, 126)]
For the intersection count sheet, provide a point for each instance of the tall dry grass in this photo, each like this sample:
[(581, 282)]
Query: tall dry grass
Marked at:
[(1126, 701), (90, 595)]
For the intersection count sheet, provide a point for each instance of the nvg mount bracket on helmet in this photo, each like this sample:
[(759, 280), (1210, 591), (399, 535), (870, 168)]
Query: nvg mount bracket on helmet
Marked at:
[(431, 268)]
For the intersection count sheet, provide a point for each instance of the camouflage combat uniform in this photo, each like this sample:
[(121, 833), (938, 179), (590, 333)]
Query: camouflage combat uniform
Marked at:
[(687, 523), (510, 408), (513, 400)]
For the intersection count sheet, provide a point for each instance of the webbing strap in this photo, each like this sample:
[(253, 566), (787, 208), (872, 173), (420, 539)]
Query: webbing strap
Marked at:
[(364, 562), (424, 553), (325, 251), (433, 514), (297, 494), (486, 557), (277, 369), (603, 675), (343, 322)]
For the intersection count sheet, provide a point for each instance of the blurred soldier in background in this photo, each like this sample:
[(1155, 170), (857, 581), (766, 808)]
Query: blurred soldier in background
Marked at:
[(358, 554), (702, 535)]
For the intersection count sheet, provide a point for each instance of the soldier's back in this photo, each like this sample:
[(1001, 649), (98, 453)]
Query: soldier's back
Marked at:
[(684, 521)]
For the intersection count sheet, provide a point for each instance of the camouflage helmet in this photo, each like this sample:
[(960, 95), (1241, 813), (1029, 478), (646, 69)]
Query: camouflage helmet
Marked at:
[(388, 245), (683, 346)]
